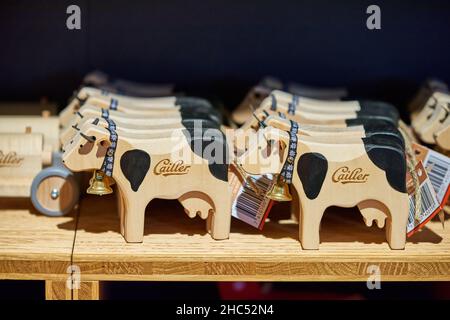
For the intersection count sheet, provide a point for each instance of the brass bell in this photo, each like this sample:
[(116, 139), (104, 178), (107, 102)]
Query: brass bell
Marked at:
[(279, 190), (99, 184)]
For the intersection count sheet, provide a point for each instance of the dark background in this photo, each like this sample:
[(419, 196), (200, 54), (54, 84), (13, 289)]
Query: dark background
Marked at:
[(220, 49)]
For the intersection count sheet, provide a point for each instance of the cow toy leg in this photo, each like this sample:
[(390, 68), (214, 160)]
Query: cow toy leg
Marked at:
[(397, 221), (133, 220), (218, 223), (309, 226)]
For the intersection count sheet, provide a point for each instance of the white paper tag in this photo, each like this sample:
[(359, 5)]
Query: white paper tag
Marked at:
[(248, 206), (438, 169), (429, 203)]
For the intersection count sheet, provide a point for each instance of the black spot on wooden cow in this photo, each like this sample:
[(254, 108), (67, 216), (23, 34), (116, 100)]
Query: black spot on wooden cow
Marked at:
[(185, 102), (378, 108), (389, 156), (135, 164), (378, 128), (211, 145), (370, 117), (199, 113), (199, 123), (312, 168)]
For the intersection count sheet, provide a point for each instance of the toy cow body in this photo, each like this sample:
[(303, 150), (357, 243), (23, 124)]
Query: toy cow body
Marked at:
[(363, 172), (143, 119), (420, 118), (436, 122), (166, 168), (133, 105), (361, 127), (336, 118), (153, 125), (288, 103)]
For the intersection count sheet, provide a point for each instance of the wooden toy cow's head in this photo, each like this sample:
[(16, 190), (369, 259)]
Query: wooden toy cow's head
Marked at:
[(87, 149), (266, 153)]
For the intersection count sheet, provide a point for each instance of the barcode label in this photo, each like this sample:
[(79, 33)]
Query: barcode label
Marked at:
[(250, 207), (429, 205), (438, 167)]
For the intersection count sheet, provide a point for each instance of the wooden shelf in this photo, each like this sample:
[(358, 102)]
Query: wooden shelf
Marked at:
[(33, 246), (177, 248)]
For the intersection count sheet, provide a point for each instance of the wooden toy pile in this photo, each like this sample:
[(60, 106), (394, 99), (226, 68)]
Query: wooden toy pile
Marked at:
[(141, 142), (165, 147), (330, 153)]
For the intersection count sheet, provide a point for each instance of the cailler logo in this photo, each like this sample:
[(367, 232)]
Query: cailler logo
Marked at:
[(344, 175), (11, 159), (167, 168)]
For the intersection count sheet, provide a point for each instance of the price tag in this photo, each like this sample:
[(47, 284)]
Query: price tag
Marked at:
[(248, 206)]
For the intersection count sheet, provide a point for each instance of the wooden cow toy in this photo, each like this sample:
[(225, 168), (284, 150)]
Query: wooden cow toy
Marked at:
[(352, 127), (289, 103), (142, 119), (302, 111), (429, 109), (129, 104), (166, 168), (357, 171), (154, 124), (262, 90), (436, 122), (366, 129), (428, 88), (194, 203)]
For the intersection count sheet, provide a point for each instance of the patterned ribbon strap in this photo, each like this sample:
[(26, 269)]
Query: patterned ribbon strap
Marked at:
[(292, 107), (108, 163), (273, 107), (113, 104), (281, 115), (288, 166)]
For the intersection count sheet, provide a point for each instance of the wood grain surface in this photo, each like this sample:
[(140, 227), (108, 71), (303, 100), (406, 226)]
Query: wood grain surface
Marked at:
[(33, 246), (177, 248)]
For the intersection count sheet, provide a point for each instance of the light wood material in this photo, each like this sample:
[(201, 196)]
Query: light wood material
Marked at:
[(437, 121), (313, 105), (57, 290), (442, 137), (176, 249), (33, 246), (20, 161), (97, 98), (89, 290), (28, 108), (172, 170), (349, 178), (179, 249), (429, 112), (96, 112), (153, 124), (47, 126), (65, 189)]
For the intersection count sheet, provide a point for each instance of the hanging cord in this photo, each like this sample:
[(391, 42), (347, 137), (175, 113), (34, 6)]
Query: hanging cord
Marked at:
[(247, 178), (411, 163)]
